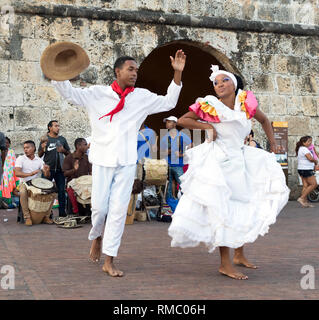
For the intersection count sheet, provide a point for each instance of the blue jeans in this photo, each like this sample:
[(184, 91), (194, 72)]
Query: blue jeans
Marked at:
[(59, 179), (173, 173)]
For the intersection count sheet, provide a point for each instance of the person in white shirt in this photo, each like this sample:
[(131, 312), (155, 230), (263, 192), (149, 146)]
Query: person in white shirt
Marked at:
[(306, 165), (27, 167), (116, 113)]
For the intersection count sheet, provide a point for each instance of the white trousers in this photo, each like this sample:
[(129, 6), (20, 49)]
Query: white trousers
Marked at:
[(111, 192)]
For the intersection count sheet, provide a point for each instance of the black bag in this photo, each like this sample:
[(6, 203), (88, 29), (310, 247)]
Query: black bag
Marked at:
[(151, 201)]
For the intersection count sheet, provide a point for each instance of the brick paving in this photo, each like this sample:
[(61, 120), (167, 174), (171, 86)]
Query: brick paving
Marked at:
[(52, 263)]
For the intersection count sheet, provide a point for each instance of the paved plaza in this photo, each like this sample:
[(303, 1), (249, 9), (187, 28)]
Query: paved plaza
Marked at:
[(52, 263)]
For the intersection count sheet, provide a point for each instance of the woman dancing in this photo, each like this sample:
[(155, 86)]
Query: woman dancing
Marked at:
[(231, 192)]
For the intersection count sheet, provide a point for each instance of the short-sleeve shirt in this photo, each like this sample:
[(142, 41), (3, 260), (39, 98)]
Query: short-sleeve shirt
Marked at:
[(52, 157), (303, 162), (145, 139), (27, 165), (179, 143), (85, 167)]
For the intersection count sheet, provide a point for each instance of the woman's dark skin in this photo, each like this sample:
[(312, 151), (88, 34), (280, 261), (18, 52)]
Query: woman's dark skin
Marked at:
[(225, 90)]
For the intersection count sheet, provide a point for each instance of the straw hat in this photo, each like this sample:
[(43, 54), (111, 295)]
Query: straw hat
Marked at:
[(63, 61)]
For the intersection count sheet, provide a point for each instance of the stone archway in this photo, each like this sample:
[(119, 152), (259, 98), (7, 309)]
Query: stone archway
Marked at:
[(155, 74)]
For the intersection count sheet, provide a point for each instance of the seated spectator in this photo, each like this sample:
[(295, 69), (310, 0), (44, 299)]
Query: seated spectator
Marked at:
[(9, 181), (28, 167), (76, 165)]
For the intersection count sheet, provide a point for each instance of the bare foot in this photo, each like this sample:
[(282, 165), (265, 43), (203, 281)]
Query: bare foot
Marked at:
[(309, 205), (95, 252), (111, 270), (303, 203), (232, 273), (242, 261)]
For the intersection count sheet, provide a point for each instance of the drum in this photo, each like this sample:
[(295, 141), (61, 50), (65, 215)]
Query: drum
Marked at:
[(41, 194), (152, 171), (82, 186), (43, 184)]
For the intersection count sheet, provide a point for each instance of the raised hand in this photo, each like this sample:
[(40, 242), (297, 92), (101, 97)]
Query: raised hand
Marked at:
[(178, 63)]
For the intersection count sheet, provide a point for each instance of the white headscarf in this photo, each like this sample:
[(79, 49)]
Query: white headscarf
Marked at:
[(216, 72)]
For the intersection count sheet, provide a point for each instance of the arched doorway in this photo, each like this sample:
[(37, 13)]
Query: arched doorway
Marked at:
[(156, 73)]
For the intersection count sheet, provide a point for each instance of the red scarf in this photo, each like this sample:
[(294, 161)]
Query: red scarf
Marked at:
[(122, 94)]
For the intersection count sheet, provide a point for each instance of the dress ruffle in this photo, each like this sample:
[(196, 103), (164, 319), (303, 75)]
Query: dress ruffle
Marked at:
[(210, 211), (213, 110)]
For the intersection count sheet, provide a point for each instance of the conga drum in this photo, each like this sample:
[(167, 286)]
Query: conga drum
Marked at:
[(155, 171), (82, 187), (41, 194)]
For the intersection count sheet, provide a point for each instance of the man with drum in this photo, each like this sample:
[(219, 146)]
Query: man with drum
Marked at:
[(28, 167), (116, 113), (76, 165)]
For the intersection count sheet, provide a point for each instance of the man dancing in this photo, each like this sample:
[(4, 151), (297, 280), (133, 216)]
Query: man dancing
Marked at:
[(116, 113)]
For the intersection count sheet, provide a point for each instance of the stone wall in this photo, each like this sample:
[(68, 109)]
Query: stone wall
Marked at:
[(286, 11), (281, 67)]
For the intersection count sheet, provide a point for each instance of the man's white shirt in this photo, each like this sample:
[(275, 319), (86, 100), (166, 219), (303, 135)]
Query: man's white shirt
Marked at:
[(27, 165), (115, 143)]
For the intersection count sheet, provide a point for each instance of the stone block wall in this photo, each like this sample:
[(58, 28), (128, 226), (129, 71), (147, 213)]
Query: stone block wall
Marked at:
[(281, 68)]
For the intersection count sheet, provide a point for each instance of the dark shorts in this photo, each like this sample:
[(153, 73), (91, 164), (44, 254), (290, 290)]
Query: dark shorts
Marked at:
[(306, 173)]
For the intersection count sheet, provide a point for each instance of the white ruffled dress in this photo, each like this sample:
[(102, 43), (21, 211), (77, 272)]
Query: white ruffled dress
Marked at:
[(232, 193)]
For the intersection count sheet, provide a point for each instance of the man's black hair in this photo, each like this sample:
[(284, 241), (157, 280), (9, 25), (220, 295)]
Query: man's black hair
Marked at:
[(8, 140), (120, 61), (240, 83), (78, 141), (30, 142), (50, 124), (252, 133)]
